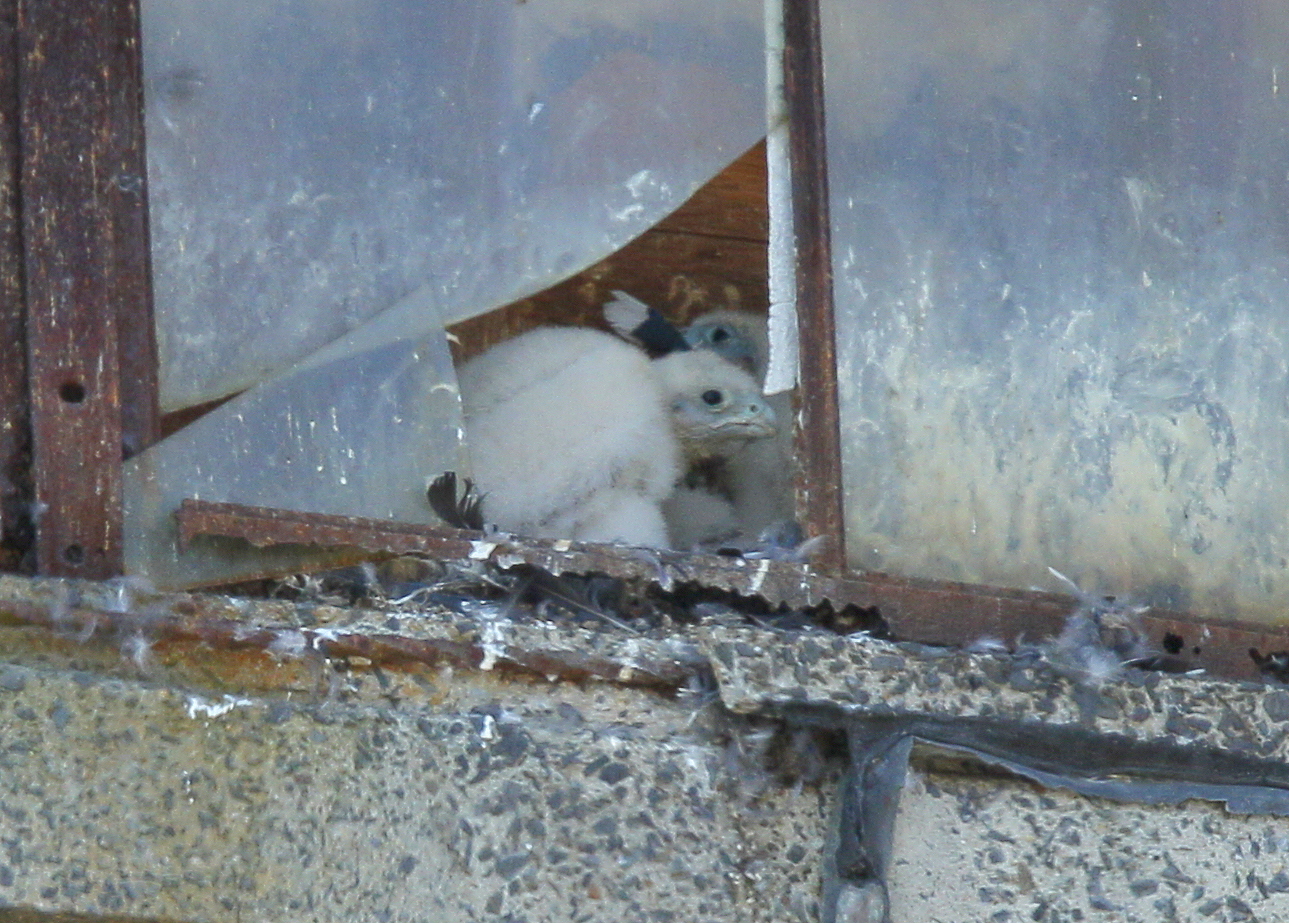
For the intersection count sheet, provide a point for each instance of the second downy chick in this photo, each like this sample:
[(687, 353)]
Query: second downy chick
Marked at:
[(758, 477)]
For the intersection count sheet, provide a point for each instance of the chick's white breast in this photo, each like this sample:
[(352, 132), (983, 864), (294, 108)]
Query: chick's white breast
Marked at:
[(566, 426)]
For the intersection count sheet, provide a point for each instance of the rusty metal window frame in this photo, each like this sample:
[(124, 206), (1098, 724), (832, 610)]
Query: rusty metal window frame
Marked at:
[(75, 281), (75, 274)]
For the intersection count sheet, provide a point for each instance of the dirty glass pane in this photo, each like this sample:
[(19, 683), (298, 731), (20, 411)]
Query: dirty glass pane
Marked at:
[(1062, 270), (357, 430), (310, 164)]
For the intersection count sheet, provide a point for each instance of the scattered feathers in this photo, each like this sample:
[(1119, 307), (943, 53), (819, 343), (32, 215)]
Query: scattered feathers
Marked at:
[(1100, 638)]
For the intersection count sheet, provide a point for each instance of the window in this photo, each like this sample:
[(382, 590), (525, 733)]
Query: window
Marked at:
[(330, 186), (1053, 238)]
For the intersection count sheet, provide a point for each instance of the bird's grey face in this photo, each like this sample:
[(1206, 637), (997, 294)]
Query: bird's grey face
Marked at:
[(715, 406), (717, 416), (724, 339)]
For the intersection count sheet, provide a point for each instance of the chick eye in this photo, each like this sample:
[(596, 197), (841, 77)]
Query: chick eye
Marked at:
[(711, 397), (720, 334)]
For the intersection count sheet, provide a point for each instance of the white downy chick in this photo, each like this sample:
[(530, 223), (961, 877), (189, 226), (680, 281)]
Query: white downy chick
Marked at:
[(576, 434), (758, 477), (718, 413), (570, 437)]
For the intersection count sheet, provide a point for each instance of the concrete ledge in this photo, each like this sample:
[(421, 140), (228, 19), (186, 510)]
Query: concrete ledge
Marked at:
[(759, 670), (120, 798), (176, 758)]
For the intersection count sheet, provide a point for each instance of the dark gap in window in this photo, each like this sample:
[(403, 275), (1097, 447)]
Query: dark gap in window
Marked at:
[(176, 420)]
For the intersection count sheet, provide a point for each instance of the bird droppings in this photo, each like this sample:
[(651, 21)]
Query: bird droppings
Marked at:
[(289, 645), (196, 705), (493, 642)]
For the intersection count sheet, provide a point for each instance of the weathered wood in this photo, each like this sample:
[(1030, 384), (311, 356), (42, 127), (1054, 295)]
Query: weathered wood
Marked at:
[(732, 204), (710, 253), (82, 224)]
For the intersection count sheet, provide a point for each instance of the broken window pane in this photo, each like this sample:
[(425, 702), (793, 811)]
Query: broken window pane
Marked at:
[(331, 183), (355, 431), (310, 164), (1061, 271)]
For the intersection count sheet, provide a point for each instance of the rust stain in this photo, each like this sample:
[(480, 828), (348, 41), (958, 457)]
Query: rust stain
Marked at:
[(818, 438), (929, 611), (88, 314), (192, 621)]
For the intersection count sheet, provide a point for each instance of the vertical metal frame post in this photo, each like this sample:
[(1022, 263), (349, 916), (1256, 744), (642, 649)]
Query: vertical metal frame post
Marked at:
[(90, 346), (15, 454), (818, 446)]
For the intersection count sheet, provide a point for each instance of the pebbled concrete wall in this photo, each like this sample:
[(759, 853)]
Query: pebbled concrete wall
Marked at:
[(163, 792), (1006, 852), (535, 804), (144, 778)]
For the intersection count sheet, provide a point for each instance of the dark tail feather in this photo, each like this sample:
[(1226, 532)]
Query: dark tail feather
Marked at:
[(641, 324), (463, 512)]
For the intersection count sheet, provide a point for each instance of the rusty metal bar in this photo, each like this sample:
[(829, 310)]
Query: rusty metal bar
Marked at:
[(127, 209), (15, 449), (264, 526), (85, 260), (182, 620), (928, 611), (818, 448), (776, 580)]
